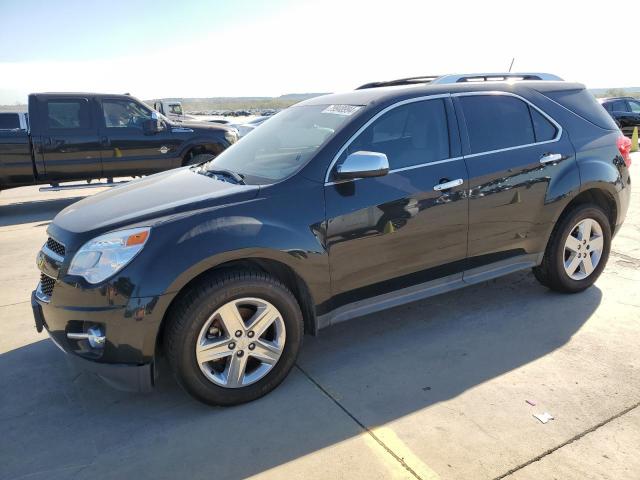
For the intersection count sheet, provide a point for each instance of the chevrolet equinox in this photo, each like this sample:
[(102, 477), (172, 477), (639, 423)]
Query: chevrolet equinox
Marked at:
[(337, 207)]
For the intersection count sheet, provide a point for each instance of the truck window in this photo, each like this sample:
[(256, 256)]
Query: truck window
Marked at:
[(175, 109), (124, 114), (9, 121), (72, 114)]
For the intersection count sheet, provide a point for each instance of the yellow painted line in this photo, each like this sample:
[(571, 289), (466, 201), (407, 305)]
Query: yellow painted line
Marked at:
[(389, 438)]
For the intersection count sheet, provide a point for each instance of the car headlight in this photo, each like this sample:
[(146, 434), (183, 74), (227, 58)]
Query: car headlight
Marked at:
[(231, 135), (102, 257)]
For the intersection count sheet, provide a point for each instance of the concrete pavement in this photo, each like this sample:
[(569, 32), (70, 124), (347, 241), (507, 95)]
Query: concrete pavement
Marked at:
[(432, 390)]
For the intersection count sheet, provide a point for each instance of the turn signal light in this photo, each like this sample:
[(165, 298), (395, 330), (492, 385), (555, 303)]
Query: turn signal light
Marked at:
[(141, 237)]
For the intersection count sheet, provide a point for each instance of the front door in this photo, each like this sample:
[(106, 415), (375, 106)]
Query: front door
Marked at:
[(70, 145), (397, 231), (127, 148)]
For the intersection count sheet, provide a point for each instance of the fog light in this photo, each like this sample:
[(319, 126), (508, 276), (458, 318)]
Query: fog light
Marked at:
[(94, 335)]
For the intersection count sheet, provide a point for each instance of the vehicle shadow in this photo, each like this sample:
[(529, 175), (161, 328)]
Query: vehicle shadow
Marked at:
[(33, 211), (380, 368)]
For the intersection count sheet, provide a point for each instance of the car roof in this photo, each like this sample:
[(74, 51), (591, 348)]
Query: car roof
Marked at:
[(612, 99), (369, 96)]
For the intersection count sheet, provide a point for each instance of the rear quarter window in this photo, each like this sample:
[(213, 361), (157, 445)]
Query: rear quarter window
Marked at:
[(585, 105)]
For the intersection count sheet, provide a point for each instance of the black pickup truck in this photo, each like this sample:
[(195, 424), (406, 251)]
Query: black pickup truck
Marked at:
[(86, 136)]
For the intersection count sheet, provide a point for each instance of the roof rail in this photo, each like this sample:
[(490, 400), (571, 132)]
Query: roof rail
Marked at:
[(463, 78), (400, 81)]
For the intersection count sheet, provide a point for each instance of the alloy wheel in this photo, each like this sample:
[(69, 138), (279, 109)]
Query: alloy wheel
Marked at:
[(240, 342), (583, 249)]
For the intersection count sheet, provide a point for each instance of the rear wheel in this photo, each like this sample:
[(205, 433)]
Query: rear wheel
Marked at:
[(234, 337), (577, 251)]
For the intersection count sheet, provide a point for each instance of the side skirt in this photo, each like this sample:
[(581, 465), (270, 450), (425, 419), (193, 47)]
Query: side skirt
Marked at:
[(428, 289)]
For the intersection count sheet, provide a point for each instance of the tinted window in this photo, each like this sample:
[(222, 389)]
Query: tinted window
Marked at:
[(543, 128), (634, 106), (619, 106), (409, 135), (496, 121), (9, 121), (585, 105), (124, 114), (68, 114)]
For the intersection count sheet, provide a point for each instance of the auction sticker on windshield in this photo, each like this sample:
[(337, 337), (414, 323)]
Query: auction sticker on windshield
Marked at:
[(342, 109)]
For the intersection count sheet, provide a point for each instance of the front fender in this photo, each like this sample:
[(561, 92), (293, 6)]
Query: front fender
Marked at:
[(279, 228)]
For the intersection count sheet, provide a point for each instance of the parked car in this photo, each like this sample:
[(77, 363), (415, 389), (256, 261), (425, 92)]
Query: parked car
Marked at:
[(80, 136), (340, 206), (625, 111), (14, 121), (246, 127)]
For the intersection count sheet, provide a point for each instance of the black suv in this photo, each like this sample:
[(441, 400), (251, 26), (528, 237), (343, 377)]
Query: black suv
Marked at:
[(340, 206), (625, 111)]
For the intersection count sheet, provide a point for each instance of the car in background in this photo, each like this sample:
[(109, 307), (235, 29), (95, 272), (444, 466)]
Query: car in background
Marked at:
[(14, 121), (246, 127), (88, 136), (625, 111), (173, 111)]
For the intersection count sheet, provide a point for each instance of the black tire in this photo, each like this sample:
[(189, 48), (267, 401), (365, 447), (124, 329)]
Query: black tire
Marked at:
[(194, 308), (551, 272), (197, 159)]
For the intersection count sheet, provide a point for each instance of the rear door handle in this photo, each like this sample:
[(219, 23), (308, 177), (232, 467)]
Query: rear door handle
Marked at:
[(550, 158), (447, 185)]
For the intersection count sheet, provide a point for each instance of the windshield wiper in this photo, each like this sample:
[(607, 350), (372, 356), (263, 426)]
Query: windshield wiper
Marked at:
[(221, 172)]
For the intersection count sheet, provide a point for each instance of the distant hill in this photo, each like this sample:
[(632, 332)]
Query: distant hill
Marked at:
[(616, 92), (238, 103)]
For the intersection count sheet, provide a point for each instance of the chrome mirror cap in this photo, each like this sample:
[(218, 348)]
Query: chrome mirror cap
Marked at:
[(363, 164)]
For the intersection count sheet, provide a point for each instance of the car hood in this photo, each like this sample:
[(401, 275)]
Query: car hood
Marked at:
[(199, 126), (148, 200)]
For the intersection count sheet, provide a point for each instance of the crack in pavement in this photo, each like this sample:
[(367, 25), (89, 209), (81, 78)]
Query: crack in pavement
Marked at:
[(12, 304), (500, 477), (359, 423), (568, 442)]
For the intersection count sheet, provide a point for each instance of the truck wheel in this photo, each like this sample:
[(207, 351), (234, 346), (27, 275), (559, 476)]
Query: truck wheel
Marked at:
[(233, 337), (200, 158), (578, 250)]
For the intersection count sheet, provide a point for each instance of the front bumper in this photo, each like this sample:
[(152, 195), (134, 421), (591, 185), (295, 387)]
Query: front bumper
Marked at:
[(127, 360)]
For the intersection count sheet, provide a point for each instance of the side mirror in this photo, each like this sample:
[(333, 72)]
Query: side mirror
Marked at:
[(153, 125), (363, 165)]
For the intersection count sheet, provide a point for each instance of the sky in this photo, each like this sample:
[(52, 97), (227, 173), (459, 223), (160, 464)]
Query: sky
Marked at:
[(181, 48)]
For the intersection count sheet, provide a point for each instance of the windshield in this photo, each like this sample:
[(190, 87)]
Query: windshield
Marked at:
[(284, 144), (175, 109)]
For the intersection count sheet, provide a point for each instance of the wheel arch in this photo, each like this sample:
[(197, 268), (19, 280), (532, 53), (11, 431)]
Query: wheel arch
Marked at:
[(273, 267), (213, 148), (598, 196)]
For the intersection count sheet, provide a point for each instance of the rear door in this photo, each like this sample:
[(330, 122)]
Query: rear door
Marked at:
[(70, 145), (514, 152), (397, 231), (127, 149)]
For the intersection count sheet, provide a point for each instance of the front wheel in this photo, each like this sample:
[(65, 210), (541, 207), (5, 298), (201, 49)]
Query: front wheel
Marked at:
[(578, 250), (234, 337)]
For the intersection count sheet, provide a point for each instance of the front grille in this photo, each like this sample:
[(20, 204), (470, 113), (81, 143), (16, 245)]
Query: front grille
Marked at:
[(46, 284), (55, 246)]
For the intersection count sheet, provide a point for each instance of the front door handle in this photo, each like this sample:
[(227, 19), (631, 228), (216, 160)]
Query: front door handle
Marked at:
[(447, 185), (550, 158)]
